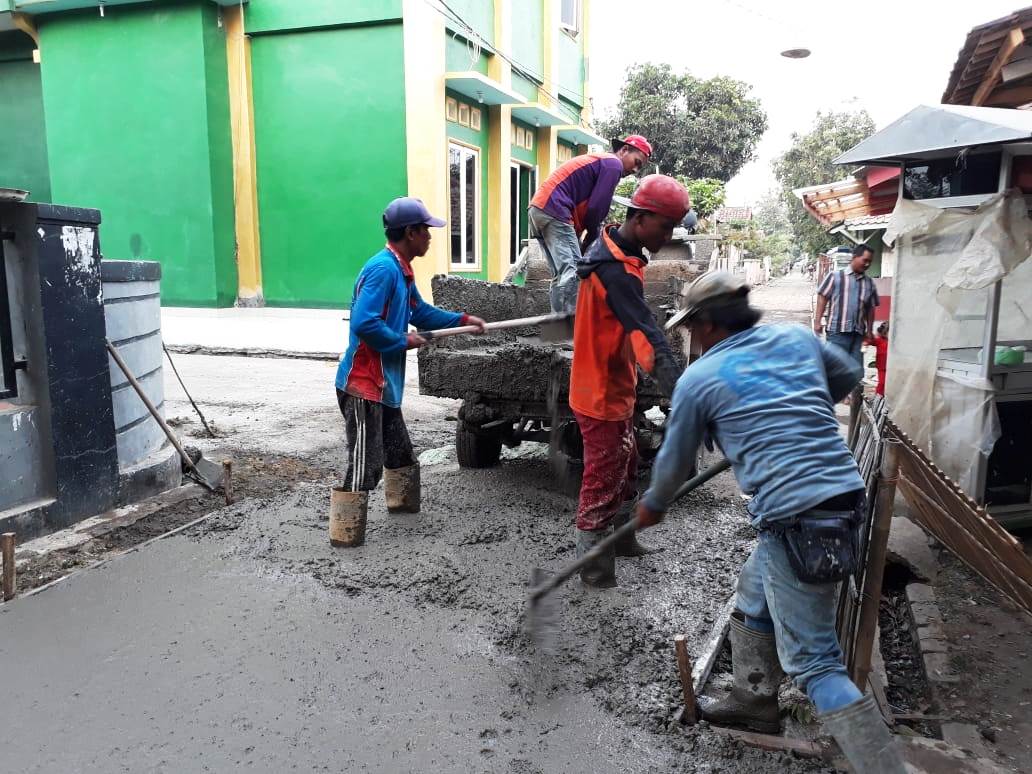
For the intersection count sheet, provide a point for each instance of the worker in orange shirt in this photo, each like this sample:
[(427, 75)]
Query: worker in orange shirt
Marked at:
[(614, 333)]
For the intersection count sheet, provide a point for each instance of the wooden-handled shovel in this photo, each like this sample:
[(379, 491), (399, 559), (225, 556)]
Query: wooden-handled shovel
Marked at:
[(554, 327)]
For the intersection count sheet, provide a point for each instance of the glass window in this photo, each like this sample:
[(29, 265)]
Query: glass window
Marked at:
[(464, 194), (570, 15), (966, 175)]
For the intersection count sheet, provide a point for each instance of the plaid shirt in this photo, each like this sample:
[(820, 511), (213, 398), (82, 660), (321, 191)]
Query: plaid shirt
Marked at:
[(850, 297)]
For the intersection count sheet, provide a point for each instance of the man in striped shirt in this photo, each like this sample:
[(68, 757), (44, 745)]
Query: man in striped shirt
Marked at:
[(849, 297)]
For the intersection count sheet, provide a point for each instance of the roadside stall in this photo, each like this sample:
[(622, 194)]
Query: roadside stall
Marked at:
[(959, 377)]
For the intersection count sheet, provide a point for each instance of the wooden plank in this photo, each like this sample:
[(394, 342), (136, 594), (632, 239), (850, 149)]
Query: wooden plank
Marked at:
[(1007, 48), (801, 747), (7, 549), (690, 715)]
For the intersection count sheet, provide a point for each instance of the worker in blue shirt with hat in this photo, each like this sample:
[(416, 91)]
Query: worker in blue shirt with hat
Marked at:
[(371, 375), (766, 395)]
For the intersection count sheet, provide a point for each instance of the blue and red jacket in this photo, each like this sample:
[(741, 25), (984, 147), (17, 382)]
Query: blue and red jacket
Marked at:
[(581, 191), (384, 303)]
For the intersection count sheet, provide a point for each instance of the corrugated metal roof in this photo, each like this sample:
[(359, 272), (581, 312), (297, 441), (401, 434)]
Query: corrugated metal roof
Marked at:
[(930, 128), (867, 220)]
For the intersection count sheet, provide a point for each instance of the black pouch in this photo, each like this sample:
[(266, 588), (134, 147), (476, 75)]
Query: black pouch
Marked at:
[(822, 547)]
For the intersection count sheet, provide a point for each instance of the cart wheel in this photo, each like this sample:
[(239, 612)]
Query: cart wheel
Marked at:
[(476, 450)]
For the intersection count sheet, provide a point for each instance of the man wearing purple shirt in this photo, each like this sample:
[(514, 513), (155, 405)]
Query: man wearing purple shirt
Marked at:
[(574, 200)]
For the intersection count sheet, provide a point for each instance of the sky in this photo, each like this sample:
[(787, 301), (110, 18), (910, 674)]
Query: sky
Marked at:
[(886, 56)]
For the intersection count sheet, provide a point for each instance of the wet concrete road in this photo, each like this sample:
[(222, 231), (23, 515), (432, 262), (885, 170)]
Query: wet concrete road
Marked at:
[(251, 644)]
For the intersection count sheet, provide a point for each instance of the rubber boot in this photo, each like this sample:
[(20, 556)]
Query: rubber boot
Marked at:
[(601, 573), (347, 517), (401, 489), (757, 673), (864, 738), (628, 546)]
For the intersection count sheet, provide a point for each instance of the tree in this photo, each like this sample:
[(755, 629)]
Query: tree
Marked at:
[(698, 128), (707, 194), (808, 162)]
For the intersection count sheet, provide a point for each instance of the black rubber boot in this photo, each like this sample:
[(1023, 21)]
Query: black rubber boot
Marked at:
[(753, 701), (601, 573), (628, 546), (864, 738)]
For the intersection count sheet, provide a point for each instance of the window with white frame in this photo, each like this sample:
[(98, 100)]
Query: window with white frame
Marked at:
[(464, 196), (570, 16)]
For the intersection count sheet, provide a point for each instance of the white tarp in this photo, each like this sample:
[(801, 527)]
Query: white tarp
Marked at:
[(947, 263)]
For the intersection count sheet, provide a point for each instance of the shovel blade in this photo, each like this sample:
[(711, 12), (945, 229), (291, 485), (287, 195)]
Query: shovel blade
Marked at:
[(210, 471), (557, 329)]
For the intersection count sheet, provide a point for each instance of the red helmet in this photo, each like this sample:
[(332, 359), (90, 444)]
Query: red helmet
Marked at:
[(635, 141), (662, 195)]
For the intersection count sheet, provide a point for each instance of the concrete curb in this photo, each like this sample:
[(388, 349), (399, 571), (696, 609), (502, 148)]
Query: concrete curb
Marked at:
[(197, 349), (934, 649)]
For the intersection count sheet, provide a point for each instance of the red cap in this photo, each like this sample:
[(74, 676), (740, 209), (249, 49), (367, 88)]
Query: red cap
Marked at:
[(662, 195), (636, 141)]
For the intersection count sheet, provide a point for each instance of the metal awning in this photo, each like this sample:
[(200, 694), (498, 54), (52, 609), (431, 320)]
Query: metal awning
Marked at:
[(539, 114), (481, 89), (930, 128), (579, 135)]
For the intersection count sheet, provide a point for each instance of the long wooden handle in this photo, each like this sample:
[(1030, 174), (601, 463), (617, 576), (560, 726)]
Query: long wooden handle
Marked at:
[(627, 529), (151, 408), (501, 325)]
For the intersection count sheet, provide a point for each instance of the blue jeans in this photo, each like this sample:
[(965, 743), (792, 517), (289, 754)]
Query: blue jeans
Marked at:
[(562, 251), (851, 343), (803, 618)]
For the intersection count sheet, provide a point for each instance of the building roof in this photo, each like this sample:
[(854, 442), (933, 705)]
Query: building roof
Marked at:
[(989, 70), (868, 222), (927, 129), (872, 191), (732, 214)]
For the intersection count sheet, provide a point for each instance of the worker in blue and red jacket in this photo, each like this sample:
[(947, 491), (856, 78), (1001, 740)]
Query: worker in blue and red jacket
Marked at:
[(615, 333), (574, 201), (371, 375)]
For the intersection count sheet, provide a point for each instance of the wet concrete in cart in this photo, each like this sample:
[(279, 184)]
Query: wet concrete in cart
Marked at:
[(250, 642)]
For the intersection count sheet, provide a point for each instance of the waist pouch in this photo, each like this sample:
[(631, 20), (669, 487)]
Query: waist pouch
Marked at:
[(822, 546)]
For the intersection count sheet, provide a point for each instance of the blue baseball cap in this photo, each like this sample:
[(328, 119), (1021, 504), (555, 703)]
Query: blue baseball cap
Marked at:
[(408, 211)]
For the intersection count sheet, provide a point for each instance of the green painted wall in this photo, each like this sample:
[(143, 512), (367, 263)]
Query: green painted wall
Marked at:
[(528, 47), (467, 136), (478, 14), (525, 87), (570, 110), (571, 68), (330, 143), (137, 126), (23, 153), (283, 15), (457, 56)]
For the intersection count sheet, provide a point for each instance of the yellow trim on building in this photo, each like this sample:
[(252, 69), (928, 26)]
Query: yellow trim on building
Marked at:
[(245, 176), (499, 151), (426, 136)]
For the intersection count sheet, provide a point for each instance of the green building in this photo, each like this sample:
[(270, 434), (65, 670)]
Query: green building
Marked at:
[(251, 147)]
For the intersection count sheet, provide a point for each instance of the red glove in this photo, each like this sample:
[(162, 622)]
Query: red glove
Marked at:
[(647, 517)]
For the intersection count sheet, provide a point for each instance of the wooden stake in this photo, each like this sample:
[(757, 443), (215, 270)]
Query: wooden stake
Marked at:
[(7, 548), (684, 669), (227, 480), (874, 572)]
